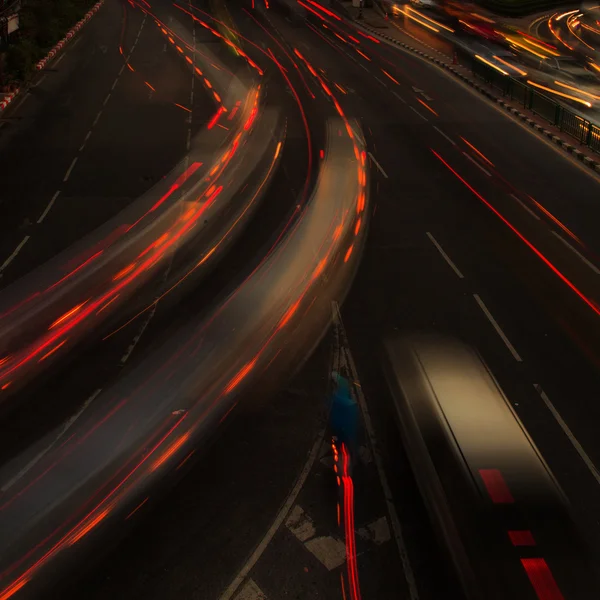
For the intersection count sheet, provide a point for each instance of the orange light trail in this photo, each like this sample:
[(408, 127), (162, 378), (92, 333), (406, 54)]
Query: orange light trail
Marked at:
[(66, 316), (487, 160), (427, 107), (369, 37), (549, 264), (388, 75), (182, 107), (136, 509), (52, 351), (557, 221), (325, 10), (240, 376)]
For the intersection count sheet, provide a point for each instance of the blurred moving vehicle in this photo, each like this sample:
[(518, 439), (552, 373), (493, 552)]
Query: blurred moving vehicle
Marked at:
[(423, 3), (500, 513), (565, 68), (496, 56)]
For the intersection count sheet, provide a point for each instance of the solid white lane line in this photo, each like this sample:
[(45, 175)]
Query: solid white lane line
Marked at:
[(409, 575), (68, 173), (477, 164), (49, 206), (59, 59), (378, 165), (444, 255), (533, 214), (567, 431), (14, 254), (281, 515), (591, 265), (444, 135), (62, 432), (497, 327)]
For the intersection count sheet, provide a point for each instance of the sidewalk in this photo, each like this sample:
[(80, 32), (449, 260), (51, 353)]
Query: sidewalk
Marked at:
[(374, 22)]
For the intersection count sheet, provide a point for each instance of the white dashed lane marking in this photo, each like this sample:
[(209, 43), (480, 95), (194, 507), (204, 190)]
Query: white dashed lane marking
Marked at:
[(444, 255), (497, 327), (14, 254), (49, 206)]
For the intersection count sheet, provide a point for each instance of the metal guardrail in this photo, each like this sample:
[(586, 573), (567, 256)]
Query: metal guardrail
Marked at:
[(585, 132)]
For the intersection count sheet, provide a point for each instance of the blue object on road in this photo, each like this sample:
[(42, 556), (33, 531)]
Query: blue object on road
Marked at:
[(344, 413)]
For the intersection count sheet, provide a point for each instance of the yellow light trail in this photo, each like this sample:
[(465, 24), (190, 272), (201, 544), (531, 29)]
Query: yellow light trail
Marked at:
[(430, 20), (547, 89), (487, 62), (419, 21), (519, 71), (574, 89)]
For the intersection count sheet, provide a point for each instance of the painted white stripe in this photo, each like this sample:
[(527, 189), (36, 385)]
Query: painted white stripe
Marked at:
[(106, 100), (567, 431), (50, 204), (14, 254), (415, 110), (534, 215), (358, 136), (378, 165), (591, 265), (251, 591), (327, 550), (444, 255), (300, 524), (68, 173), (59, 59), (408, 571), (97, 118), (444, 135), (399, 96), (497, 327), (281, 515), (377, 532), (62, 432), (477, 164)]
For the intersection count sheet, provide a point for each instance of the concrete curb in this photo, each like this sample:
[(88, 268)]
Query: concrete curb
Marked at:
[(42, 63), (570, 148)]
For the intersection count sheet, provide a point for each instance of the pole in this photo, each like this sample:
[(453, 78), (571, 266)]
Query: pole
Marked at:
[(360, 9)]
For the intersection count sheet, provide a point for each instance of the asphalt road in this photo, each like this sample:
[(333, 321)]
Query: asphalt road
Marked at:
[(91, 135), (437, 258)]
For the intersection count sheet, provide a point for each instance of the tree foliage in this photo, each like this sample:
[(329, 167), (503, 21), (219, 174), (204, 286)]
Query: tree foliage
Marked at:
[(42, 23)]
